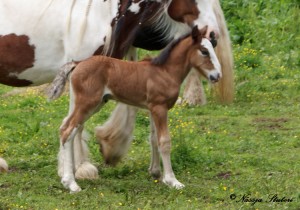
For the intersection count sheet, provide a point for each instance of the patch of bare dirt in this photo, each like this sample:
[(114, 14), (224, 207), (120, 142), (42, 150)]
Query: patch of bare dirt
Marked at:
[(224, 175), (271, 123), (38, 90)]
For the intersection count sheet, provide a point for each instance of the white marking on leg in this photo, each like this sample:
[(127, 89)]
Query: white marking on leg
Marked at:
[(154, 168), (169, 176), (61, 148), (68, 179)]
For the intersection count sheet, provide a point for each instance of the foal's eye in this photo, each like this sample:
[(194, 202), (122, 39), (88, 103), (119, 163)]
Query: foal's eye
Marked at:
[(205, 53)]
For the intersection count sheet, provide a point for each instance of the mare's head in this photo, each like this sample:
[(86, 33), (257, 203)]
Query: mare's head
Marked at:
[(203, 57), (197, 12)]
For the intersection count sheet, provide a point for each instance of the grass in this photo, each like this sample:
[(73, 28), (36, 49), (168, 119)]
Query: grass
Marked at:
[(221, 153)]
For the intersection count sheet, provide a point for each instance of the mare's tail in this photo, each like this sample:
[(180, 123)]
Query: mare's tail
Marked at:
[(225, 87), (60, 80)]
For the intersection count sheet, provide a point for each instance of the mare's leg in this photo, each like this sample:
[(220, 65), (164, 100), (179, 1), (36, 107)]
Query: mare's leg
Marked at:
[(160, 118), (193, 92), (154, 168), (115, 135), (83, 167)]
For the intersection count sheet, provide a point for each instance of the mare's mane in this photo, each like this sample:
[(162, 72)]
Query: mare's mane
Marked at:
[(149, 14), (164, 55)]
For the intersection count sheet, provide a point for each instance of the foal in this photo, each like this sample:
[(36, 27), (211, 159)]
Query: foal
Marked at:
[(150, 84)]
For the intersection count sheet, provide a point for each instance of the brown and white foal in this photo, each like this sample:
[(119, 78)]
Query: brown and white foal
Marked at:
[(151, 84)]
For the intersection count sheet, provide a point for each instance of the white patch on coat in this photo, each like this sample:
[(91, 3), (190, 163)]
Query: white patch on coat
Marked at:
[(54, 31), (135, 7), (207, 15)]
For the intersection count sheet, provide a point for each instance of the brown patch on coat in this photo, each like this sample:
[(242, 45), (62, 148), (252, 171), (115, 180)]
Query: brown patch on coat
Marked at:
[(16, 55), (184, 11)]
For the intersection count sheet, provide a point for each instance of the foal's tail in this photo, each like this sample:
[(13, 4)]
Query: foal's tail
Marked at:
[(60, 80)]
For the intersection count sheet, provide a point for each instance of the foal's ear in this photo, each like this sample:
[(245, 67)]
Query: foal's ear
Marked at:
[(195, 33), (203, 31)]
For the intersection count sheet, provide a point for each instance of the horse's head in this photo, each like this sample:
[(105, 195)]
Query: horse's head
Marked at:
[(203, 57), (196, 12)]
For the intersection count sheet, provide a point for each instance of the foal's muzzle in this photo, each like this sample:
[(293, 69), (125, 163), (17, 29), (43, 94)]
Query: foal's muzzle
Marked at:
[(214, 78)]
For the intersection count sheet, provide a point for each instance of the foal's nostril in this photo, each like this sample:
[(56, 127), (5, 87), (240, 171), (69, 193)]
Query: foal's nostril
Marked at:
[(214, 78)]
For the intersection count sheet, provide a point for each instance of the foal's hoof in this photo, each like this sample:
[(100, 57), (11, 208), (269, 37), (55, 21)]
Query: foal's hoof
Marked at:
[(71, 185), (174, 183), (75, 190)]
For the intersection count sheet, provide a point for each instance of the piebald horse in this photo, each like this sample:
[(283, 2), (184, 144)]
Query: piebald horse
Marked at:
[(150, 84), (38, 37)]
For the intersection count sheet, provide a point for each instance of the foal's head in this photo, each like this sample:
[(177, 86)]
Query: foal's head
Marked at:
[(203, 57)]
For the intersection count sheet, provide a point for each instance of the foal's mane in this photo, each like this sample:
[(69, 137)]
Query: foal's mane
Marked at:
[(164, 55)]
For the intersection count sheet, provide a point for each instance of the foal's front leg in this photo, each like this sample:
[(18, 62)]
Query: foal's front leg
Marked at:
[(160, 117), (154, 168)]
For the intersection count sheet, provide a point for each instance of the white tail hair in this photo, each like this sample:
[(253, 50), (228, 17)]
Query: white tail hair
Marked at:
[(59, 82), (3, 165), (224, 89)]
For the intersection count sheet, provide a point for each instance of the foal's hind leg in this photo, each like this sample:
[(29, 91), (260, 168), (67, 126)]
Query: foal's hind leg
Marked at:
[(67, 156), (71, 126), (159, 115), (83, 167)]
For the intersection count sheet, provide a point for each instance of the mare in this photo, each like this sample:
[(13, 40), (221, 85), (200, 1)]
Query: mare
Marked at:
[(38, 37), (150, 84)]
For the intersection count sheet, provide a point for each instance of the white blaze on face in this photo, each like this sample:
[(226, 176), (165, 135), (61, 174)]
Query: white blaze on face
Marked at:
[(207, 17), (214, 59)]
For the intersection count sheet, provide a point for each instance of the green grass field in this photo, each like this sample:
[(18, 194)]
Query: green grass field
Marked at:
[(245, 155)]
